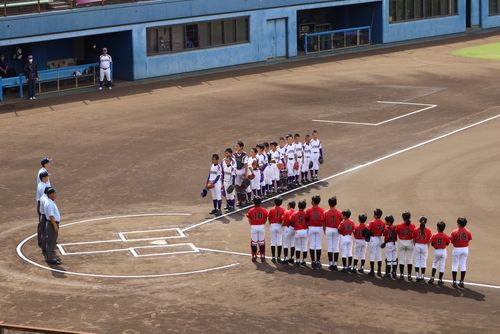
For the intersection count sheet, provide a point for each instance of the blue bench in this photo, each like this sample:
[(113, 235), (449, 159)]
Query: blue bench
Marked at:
[(48, 76)]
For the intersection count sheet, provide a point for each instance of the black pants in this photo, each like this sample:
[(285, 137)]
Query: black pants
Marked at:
[(31, 88), (40, 227), (51, 241)]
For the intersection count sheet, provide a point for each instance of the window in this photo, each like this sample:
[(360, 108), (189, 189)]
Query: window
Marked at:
[(407, 10), (200, 35), (494, 7)]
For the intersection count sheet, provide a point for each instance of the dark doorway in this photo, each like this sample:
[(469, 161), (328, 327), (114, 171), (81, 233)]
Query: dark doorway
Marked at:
[(468, 13)]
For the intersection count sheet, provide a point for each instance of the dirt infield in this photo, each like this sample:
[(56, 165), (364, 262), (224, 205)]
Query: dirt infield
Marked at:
[(140, 252)]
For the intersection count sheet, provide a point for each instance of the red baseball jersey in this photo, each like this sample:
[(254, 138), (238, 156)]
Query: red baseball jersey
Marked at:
[(298, 220), (405, 231), (421, 237), (440, 240), (288, 215), (358, 231), (390, 234), (461, 237), (377, 226), (276, 215), (333, 217), (257, 216), (346, 227), (315, 216)]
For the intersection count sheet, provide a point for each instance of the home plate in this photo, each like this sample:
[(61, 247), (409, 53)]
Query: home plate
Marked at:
[(159, 242)]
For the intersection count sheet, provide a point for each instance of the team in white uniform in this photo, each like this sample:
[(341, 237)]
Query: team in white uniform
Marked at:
[(214, 184), (105, 62)]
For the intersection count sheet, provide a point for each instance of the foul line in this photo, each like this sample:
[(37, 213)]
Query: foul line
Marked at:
[(427, 107), (325, 265), (348, 170)]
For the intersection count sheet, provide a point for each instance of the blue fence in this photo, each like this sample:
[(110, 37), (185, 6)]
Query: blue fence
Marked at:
[(337, 39), (59, 79)]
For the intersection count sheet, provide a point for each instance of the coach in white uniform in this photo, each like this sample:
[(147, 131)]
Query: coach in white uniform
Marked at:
[(105, 62)]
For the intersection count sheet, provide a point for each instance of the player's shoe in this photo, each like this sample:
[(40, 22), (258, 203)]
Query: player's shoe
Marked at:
[(440, 282), (361, 270), (212, 212), (254, 258), (262, 259), (303, 263), (100, 88), (461, 284), (401, 276), (110, 88), (273, 260), (454, 285), (431, 280), (53, 261), (218, 213), (318, 265), (394, 275), (297, 263), (291, 260), (331, 267), (371, 273), (353, 270), (410, 279), (379, 273), (279, 260), (387, 275), (344, 270)]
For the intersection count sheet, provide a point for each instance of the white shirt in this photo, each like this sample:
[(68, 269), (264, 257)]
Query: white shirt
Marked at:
[(43, 199), (52, 210), (315, 146), (40, 189), (40, 171), (262, 159), (290, 151), (105, 61), (229, 171), (299, 150), (275, 157), (250, 163), (215, 170), (307, 150), (281, 151)]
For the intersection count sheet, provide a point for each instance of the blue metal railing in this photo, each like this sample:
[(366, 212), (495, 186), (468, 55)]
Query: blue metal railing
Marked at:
[(337, 39), (55, 75)]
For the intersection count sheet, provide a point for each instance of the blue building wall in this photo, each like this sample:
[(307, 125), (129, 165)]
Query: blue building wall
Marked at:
[(486, 20), (402, 31)]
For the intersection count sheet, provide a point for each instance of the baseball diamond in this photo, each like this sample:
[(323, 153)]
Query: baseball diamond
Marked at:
[(331, 187)]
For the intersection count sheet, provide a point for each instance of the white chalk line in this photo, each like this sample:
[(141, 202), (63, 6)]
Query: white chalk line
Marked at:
[(427, 107), (325, 265), (25, 258), (133, 250), (348, 170)]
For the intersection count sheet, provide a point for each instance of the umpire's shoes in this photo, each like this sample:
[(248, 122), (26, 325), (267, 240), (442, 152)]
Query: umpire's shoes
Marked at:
[(431, 280), (53, 262)]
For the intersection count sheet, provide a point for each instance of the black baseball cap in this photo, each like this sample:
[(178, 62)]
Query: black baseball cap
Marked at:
[(43, 174)]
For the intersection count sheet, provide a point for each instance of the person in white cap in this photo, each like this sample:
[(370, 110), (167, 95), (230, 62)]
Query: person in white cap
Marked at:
[(105, 62), (31, 74)]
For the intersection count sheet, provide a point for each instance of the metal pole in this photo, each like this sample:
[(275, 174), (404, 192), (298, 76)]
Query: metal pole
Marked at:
[(4, 7), (369, 35), (305, 44), (21, 86), (58, 79)]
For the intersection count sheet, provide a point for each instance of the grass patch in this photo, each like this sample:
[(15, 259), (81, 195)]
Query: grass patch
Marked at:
[(486, 51)]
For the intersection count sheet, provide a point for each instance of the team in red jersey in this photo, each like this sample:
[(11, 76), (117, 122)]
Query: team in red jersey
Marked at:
[(333, 217), (460, 238), (315, 221), (421, 237), (276, 217), (346, 228), (439, 241), (257, 217), (302, 230)]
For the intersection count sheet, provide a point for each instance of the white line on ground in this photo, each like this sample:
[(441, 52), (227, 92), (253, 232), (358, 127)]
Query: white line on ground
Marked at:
[(426, 105), (325, 265), (348, 170)]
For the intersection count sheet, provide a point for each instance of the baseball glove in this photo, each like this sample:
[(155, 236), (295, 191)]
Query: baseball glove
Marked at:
[(382, 245), (255, 164), (281, 166), (210, 185), (320, 160), (251, 176), (296, 165), (203, 193), (311, 164), (230, 189)]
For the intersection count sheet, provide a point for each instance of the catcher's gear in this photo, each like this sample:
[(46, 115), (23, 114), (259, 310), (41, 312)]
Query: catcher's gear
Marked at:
[(230, 189), (311, 164), (382, 245), (320, 160), (204, 193), (251, 176), (296, 165), (245, 184), (210, 185)]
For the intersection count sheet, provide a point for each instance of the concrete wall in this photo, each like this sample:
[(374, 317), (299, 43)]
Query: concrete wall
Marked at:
[(402, 31)]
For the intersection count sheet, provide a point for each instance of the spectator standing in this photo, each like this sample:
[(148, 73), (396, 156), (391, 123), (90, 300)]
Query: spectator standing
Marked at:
[(31, 74), (105, 62)]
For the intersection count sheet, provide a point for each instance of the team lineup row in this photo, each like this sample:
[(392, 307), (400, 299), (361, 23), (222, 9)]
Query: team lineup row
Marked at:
[(267, 169), (291, 231)]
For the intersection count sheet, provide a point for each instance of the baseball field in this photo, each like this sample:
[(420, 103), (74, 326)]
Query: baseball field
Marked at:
[(408, 128)]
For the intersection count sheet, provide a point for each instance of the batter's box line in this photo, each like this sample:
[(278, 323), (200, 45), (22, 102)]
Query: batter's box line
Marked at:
[(134, 250), (425, 105)]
